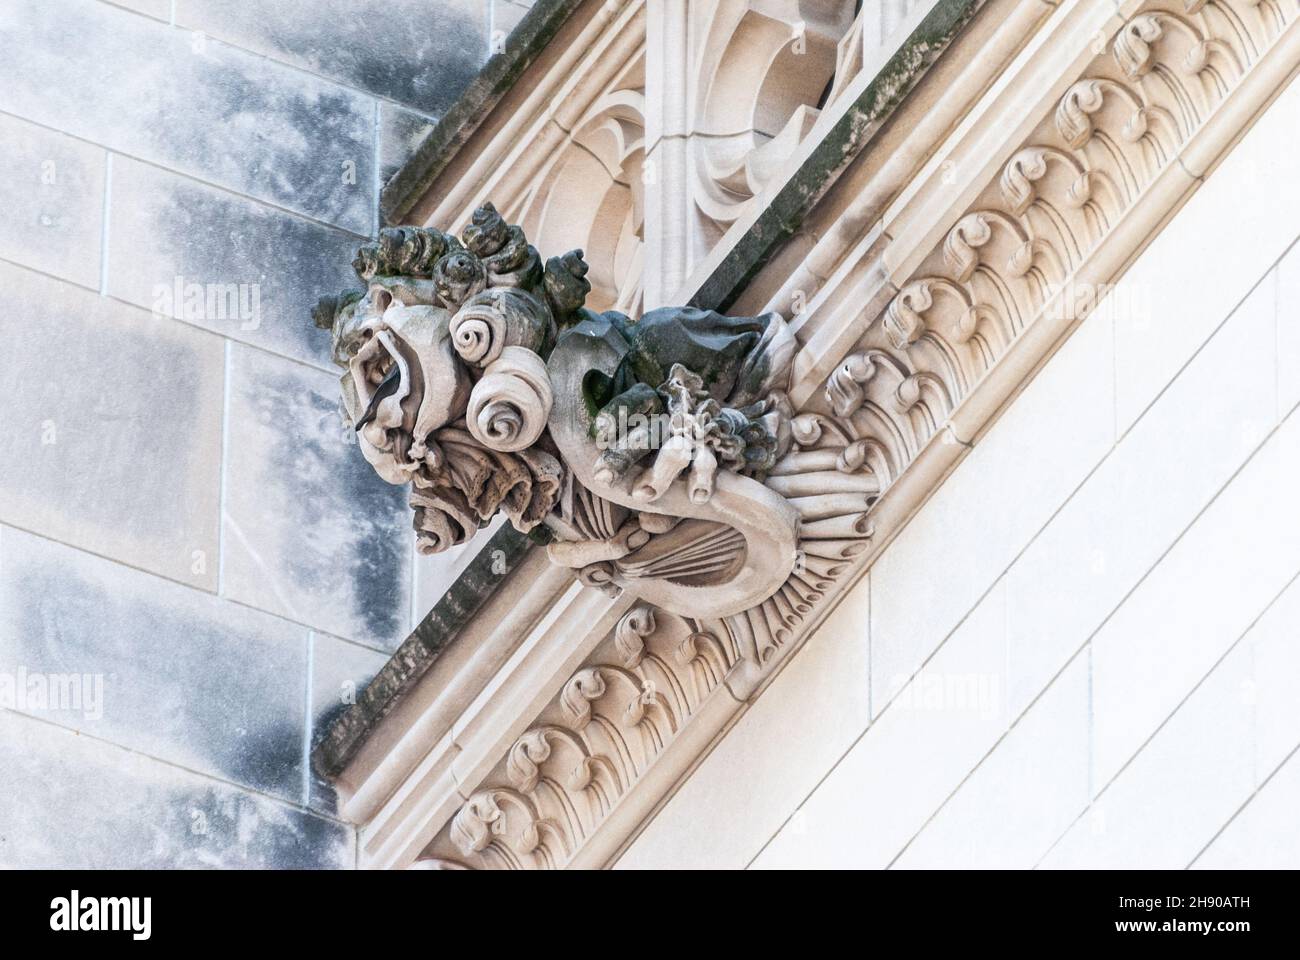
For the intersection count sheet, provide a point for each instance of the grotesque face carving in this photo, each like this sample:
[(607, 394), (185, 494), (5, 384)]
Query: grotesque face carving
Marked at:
[(445, 381), (403, 380)]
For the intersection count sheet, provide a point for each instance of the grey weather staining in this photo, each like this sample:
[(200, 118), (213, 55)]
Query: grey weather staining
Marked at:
[(415, 52), (202, 108), (400, 133), (185, 678), (200, 235), (340, 671), (235, 147), (327, 169), (114, 428), (312, 532), (75, 802)]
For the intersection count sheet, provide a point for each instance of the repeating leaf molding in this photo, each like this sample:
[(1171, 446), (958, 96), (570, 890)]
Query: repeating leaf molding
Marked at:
[(608, 724), (1005, 261), (1010, 257)]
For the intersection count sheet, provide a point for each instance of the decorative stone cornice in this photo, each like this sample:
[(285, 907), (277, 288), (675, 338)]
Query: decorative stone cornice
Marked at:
[(561, 152), (820, 143), (931, 294), (511, 134), (600, 737), (852, 116)]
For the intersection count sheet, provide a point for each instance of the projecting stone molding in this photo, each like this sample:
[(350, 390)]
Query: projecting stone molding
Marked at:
[(1020, 176)]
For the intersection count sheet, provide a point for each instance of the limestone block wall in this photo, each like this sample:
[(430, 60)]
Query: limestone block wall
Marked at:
[(1083, 650), (183, 521)]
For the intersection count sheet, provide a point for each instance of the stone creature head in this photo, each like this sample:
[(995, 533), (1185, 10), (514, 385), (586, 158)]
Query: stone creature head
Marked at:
[(443, 351)]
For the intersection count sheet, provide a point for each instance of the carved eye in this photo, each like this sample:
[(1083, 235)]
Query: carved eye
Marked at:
[(378, 372)]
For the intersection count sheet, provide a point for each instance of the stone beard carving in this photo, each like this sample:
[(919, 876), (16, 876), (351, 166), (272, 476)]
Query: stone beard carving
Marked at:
[(474, 373)]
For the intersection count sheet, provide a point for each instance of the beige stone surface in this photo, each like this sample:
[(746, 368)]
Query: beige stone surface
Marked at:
[(750, 783)]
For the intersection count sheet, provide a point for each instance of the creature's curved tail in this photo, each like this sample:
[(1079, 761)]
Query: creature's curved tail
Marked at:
[(768, 524)]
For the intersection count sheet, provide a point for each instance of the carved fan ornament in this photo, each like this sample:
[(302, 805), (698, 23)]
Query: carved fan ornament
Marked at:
[(658, 455)]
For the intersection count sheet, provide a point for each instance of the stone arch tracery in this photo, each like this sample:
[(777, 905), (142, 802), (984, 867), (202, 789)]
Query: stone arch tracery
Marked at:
[(591, 197), (762, 70)]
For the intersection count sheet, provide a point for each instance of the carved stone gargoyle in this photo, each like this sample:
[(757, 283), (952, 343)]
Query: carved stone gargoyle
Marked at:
[(475, 374)]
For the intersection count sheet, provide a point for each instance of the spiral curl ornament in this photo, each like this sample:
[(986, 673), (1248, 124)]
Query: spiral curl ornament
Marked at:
[(458, 277), (509, 406), (497, 318)]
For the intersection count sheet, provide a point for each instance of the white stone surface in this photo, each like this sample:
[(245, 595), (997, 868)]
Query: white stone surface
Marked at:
[(1253, 840), (1288, 331), (988, 510), (159, 9), (112, 428), (1024, 795), (909, 760), (54, 201), (1160, 523), (1202, 597), (1275, 648), (1179, 790), (423, 56), (1227, 236), (1142, 496)]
